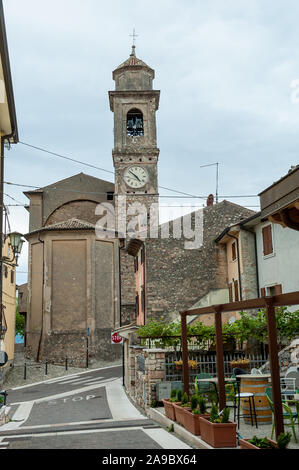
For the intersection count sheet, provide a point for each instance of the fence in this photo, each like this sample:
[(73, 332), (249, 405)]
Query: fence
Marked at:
[(206, 363)]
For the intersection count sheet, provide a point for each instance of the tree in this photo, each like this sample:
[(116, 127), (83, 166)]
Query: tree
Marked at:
[(20, 323)]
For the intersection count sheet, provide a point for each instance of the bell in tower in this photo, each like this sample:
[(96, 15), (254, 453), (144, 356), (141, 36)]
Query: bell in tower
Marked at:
[(135, 154)]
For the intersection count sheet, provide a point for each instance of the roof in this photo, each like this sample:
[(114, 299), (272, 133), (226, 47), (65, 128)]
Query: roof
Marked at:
[(133, 61), (70, 224), (293, 169), (107, 185), (9, 124)]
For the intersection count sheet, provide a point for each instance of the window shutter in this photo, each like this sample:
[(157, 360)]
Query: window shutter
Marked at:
[(236, 288), (136, 264), (267, 240), (263, 292), (278, 289), (230, 291), (12, 276), (137, 305), (234, 254)]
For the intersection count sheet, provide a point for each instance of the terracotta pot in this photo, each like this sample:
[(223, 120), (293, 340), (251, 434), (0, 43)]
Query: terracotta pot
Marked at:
[(218, 434), (192, 422), (244, 444), (179, 412), (169, 410)]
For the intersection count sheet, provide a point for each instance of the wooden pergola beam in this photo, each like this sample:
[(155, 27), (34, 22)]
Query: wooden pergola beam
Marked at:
[(264, 302)]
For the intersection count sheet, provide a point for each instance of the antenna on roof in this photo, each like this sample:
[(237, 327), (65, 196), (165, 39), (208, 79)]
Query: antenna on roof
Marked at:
[(217, 178)]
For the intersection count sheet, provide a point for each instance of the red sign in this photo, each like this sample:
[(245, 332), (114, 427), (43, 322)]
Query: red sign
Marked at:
[(116, 339)]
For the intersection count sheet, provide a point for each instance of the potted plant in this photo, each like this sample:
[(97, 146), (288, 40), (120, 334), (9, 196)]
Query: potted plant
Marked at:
[(240, 363), (178, 364), (198, 409), (180, 409), (266, 443), (192, 364), (217, 430), (168, 405)]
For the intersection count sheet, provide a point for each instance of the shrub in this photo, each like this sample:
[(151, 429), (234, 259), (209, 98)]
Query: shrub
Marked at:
[(194, 402), (202, 405)]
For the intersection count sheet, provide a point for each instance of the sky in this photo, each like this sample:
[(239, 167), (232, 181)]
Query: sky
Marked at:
[(227, 72)]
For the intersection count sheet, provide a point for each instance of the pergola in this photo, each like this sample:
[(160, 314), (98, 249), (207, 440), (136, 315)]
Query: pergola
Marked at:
[(269, 303)]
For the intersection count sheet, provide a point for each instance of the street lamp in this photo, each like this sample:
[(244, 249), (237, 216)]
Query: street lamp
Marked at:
[(16, 243)]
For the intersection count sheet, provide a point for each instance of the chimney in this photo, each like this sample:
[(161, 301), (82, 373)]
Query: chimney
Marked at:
[(210, 200)]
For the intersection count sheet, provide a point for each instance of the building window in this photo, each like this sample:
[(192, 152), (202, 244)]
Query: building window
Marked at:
[(230, 292), (110, 196), (135, 123), (12, 276), (271, 290), (267, 240), (234, 251), (5, 271), (236, 291)]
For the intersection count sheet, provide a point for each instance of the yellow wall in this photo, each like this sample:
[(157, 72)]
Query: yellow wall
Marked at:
[(9, 301)]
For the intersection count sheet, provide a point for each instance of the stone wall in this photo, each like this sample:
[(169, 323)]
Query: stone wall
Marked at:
[(177, 277), (288, 357), (146, 369)]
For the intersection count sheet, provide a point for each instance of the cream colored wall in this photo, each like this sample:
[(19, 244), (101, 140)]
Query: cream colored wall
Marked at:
[(9, 301)]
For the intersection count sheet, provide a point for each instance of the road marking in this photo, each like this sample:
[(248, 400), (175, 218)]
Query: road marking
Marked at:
[(61, 378), (165, 439), (20, 416), (118, 402), (83, 431), (72, 392)]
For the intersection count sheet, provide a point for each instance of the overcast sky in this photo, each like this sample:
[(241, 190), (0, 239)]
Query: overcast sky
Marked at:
[(224, 68)]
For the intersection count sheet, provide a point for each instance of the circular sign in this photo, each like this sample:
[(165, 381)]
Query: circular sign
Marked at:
[(116, 339), (3, 358)]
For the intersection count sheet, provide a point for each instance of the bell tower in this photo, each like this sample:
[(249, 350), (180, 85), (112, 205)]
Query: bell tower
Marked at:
[(135, 154)]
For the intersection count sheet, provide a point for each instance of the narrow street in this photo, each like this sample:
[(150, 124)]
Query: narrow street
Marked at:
[(88, 410)]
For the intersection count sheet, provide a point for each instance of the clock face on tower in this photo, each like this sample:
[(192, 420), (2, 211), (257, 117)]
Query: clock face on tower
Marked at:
[(136, 177)]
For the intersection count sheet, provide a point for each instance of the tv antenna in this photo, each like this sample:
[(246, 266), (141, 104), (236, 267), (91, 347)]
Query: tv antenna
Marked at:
[(217, 178)]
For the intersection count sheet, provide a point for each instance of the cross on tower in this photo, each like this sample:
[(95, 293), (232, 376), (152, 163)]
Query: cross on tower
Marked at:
[(134, 36)]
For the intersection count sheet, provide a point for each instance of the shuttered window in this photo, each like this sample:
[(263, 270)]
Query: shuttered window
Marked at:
[(267, 240), (137, 305), (278, 289), (236, 289), (234, 253), (230, 291), (263, 292)]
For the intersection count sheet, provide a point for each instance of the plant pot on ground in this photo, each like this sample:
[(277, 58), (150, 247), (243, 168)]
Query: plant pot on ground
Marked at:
[(168, 405), (180, 409), (217, 430), (266, 443), (198, 409)]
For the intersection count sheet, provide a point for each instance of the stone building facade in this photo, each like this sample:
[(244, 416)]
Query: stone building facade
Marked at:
[(73, 285)]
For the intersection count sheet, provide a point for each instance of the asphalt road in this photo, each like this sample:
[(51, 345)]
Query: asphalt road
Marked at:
[(89, 410)]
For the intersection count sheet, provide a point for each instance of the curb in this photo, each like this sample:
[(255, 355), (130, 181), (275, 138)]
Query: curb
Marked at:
[(195, 441)]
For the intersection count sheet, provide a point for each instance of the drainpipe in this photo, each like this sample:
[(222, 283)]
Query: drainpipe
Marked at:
[(42, 320), (239, 267)]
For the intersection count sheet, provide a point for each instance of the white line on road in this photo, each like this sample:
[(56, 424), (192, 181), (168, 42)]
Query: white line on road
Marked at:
[(62, 378), (72, 392), (20, 416)]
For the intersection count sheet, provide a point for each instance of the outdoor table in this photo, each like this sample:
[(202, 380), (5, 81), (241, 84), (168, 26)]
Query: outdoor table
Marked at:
[(256, 384), (214, 381)]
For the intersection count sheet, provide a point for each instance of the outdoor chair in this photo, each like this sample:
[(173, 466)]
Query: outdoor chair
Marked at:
[(288, 386), (287, 413), (207, 389)]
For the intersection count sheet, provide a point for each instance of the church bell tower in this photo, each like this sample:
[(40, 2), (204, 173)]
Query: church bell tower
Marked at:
[(135, 154)]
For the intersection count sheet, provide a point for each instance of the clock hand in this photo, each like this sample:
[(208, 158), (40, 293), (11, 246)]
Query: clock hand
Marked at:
[(134, 175)]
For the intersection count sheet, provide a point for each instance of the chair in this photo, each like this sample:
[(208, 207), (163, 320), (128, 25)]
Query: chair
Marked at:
[(287, 413), (238, 396), (288, 386), (206, 388)]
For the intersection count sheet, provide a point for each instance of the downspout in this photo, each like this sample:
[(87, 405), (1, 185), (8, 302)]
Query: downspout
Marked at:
[(239, 266), (42, 319)]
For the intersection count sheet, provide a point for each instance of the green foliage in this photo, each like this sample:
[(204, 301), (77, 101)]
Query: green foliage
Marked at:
[(171, 428), (173, 393), (193, 402), (20, 323), (179, 395), (196, 411), (225, 415), (246, 327), (202, 402), (184, 399), (283, 440), (261, 443), (214, 418)]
